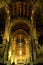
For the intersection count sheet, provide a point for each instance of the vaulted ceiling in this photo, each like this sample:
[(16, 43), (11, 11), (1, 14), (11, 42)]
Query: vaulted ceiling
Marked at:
[(22, 8)]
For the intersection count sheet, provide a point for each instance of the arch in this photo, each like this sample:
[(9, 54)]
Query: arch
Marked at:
[(23, 30), (4, 5), (21, 24)]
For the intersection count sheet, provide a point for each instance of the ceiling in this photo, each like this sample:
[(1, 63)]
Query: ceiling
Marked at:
[(38, 14)]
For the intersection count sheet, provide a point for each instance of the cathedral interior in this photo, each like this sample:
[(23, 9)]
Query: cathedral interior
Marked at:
[(21, 32)]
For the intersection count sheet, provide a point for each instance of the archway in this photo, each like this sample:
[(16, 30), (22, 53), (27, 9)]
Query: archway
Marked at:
[(20, 43)]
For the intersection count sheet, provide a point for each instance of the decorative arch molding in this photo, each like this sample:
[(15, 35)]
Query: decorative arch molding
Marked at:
[(4, 5), (21, 24)]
